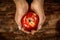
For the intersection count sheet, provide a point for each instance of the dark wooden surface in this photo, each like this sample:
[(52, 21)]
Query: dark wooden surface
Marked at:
[(49, 31)]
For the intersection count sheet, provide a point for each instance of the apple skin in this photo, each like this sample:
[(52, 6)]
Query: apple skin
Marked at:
[(30, 21)]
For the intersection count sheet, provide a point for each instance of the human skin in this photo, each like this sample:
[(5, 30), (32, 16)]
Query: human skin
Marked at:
[(22, 7)]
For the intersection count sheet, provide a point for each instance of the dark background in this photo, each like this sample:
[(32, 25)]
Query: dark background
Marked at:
[(49, 31)]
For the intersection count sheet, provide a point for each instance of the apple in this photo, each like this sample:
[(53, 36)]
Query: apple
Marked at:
[(30, 21)]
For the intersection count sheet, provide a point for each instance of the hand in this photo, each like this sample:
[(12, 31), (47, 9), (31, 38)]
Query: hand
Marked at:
[(37, 7), (22, 8)]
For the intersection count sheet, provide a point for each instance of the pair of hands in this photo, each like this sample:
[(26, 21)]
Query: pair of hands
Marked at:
[(22, 7)]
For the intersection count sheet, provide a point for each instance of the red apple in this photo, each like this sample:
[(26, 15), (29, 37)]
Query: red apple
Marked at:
[(30, 21)]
